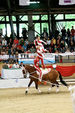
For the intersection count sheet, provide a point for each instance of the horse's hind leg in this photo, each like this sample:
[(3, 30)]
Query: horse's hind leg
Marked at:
[(49, 89), (57, 84), (28, 86), (52, 85)]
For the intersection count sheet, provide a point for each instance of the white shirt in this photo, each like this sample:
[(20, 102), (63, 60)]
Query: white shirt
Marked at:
[(4, 42), (15, 66), (48, 42)]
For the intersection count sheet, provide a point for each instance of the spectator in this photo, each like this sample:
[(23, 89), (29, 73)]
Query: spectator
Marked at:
[(19, 49), (24, 33), (0, 46), (25, 47), (10, 41), (4, 42), (63, 49), (16, 41), (15, 65), (54, 41), (32, 49), (12, 58), (23, 69), (26, 41), (22, 50), (0, 38), (9, 45), (63, 33), (56, 33), (62, 44), (55, 48), (5, 66), (73, 33), (21, 66), (71, 46), (50, 50), (45, 34), (68, 33), (16, 56), (21, 41), (48, 41)]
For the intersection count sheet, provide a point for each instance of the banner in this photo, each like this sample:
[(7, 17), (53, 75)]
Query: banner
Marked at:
[(24, 2), (64, 70), (4, 57), (11, 73), (66, 2)]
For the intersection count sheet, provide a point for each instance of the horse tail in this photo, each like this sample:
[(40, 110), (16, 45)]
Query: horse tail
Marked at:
[(61, 79)]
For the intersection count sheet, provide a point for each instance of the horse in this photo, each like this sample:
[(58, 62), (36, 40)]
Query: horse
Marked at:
[(50, 77)]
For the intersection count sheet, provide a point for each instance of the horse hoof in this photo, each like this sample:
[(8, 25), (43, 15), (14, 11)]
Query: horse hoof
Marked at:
[(49, 89), (40, 91), (57, 90)]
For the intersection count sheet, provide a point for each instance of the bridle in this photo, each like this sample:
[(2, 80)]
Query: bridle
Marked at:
[(30, 74)]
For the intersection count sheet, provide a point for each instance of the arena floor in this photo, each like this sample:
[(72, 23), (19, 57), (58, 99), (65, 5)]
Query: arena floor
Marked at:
[(15, 101)]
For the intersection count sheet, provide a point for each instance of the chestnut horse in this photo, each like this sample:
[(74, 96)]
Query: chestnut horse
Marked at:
[(50, 77)]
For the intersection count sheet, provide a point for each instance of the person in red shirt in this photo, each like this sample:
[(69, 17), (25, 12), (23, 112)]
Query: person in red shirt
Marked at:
[(16, 41)]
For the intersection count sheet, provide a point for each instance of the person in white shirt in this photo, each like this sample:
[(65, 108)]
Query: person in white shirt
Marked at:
[(15, 65), (48, 41), (22, 66), (4, 42)]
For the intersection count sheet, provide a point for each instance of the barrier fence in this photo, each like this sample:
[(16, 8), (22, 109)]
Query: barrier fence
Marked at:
[(49, 58)]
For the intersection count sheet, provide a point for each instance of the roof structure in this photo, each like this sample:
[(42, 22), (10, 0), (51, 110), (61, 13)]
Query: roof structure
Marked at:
[(51, 6)]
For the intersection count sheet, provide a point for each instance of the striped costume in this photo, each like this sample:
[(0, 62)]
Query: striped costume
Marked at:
[(40, 50)]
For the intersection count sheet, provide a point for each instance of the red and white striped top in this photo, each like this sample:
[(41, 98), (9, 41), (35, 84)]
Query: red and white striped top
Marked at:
[(40, 44)]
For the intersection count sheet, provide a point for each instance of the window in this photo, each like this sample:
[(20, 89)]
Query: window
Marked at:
[(7, 18), (2, 18), (44, 17), (8, 30), (13, 18), (70, 16), (23, 18), (59, 17), (35, 17)]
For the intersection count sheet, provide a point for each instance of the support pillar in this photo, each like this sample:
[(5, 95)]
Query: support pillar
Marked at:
[(5, 26), (11, 26), (17, 25), (10, 17), (53, 23), (30, 29)]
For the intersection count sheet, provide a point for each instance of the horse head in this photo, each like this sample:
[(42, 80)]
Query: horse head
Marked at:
[(29, 69)]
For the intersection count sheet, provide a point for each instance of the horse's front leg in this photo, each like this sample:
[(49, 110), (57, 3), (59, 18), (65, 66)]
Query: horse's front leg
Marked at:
[(28, 86), (36, 85)]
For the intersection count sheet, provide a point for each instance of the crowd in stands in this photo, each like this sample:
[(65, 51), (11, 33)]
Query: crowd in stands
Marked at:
[(56, 43)]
